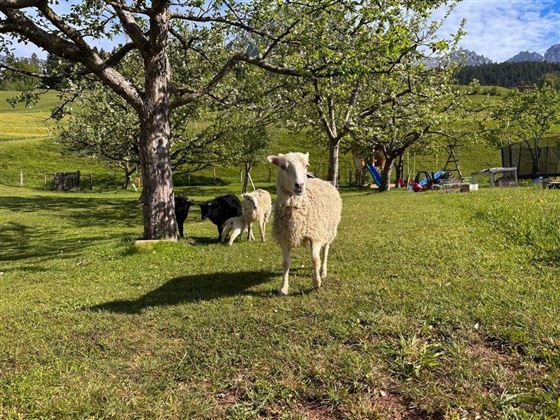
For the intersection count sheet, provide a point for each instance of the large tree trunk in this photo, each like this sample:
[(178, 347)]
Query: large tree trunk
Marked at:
[(333, 162), (386, 175), (155, 157)]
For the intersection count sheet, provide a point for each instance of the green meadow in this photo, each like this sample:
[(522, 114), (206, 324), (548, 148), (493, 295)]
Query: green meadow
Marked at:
[(437, 305)]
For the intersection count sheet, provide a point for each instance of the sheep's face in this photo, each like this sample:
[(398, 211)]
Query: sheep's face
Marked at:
[(205, 209), (250, 202), (292, 173)]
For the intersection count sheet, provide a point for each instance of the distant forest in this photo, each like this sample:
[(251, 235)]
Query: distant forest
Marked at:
[(507, 74)]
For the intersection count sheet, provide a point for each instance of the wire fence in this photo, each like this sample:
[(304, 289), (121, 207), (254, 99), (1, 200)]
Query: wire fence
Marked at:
[(37, 178)]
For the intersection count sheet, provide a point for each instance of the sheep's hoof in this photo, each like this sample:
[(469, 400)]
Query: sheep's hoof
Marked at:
[(323, 274), (282, 292)]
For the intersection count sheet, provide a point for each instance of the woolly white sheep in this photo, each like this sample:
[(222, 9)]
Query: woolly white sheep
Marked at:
[(257, 206), (306, 211), (236, 225)]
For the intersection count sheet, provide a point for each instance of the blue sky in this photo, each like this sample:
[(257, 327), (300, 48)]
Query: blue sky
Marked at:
[(497, 29)]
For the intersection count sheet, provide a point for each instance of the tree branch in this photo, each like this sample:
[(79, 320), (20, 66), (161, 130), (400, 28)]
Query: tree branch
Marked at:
[(18, 4), (191, 96), (129, 24)]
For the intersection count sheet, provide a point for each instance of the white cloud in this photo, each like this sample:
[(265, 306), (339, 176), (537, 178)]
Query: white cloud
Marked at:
[(500, 29)]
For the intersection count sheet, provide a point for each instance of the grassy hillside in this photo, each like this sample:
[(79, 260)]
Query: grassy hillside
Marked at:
[(26, 142), (21, 123), (435, 307)]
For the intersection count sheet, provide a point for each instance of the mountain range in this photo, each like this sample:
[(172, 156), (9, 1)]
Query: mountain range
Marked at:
[(470, 58)]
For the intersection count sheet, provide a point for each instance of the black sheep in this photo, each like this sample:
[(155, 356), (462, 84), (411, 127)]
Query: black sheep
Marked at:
[(182, 206), (220, 209)]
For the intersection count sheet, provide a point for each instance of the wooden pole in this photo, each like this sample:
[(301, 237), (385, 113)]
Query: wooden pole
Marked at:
[(251, 179), (21, 178), (90, 181), (45, 183), (241, 176), (214, 175)]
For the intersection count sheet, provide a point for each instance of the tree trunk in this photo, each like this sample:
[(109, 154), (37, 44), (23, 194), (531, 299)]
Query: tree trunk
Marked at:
[(333, 162), (128, 171), (386, 175), (126, 180), (246, 179), (358, 166), (400, 174), (155, 156)]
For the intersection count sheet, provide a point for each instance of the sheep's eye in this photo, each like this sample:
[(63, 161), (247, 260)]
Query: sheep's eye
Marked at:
[(284, 166)]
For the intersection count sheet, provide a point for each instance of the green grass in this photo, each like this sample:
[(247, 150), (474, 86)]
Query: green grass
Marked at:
[(436, 305)]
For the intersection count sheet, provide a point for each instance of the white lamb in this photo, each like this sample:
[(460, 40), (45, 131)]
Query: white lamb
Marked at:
[(235, 225), (306, 211), (257, 206)]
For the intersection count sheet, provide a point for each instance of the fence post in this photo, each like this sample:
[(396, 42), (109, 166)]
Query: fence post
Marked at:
[(214, 175), (241, 176), (90, 181), (21, 178), (45, 184)]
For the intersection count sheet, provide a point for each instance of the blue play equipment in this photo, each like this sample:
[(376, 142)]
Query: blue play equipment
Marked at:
[(437, 175), (374, 174)]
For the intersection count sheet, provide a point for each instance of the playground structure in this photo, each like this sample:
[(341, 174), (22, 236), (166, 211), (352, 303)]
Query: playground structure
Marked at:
[(449, 177), (539, 160)]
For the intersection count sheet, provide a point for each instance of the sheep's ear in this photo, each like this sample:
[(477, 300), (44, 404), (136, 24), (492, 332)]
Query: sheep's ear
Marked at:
[(275, 160)]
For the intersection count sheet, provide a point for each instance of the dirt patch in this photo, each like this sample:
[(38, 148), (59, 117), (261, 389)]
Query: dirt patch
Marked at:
[(389, 405)]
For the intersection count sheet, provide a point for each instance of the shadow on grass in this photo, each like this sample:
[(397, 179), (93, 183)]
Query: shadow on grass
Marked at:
[(80, 211), (195, 288), (202, 240), (34, 242)]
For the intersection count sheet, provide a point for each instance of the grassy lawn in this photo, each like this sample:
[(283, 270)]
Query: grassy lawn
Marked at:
[(436, 305)]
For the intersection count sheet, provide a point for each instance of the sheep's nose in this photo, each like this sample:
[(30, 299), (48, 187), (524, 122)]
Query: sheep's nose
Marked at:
[(298, 188)]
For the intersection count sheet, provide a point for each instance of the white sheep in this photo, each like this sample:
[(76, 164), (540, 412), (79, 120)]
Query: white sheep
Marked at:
[(236, 225), (306, 211), (257, 206)]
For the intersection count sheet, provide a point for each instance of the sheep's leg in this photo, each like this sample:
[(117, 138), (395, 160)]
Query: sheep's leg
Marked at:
[(262, 226), (180, 225), (219, 232), (236, 232), (325, 258), (286, 261), (316, 260), (224, 233), (250, 236)]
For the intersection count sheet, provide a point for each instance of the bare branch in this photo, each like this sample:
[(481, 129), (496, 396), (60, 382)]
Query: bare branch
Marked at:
[(26, 72)]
